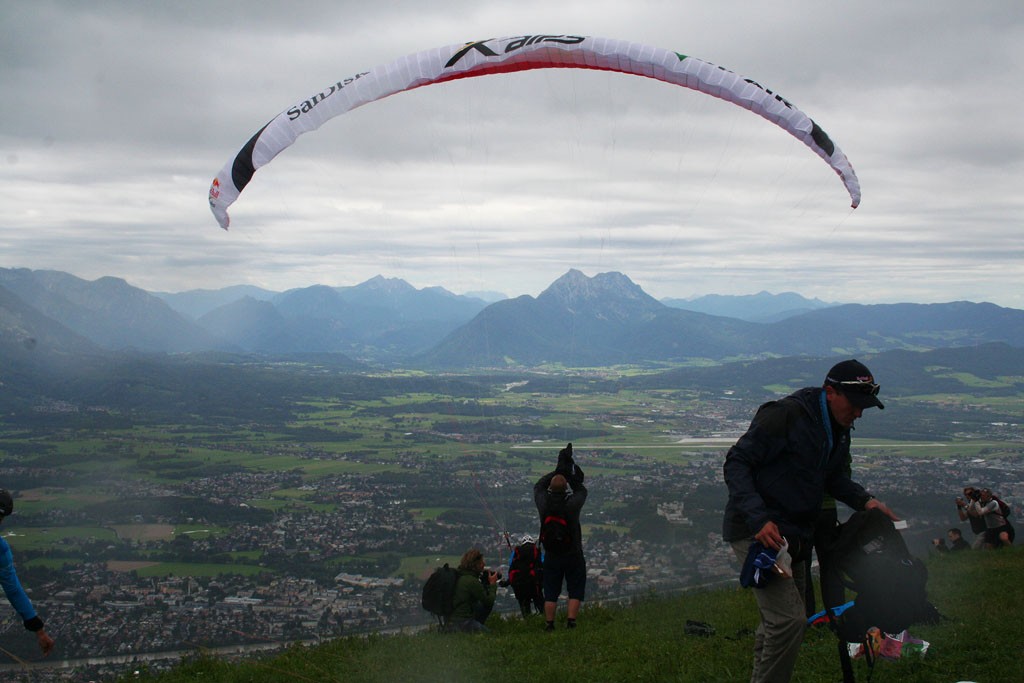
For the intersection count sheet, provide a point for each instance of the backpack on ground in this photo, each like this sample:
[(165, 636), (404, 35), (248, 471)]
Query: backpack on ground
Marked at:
[(874, 562), (524, 575), (555, 535), (439, 593)]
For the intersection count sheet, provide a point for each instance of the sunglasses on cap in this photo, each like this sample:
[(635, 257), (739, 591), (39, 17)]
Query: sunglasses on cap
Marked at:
[(856, 386)]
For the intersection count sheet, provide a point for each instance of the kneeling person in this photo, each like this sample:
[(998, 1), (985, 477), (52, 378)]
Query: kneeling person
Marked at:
[(474, 593)]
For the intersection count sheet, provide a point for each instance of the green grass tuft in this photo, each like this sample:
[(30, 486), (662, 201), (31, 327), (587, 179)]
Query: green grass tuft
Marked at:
[(979, 594)]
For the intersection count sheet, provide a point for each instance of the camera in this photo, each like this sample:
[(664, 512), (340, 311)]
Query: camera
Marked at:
[(975, 495)]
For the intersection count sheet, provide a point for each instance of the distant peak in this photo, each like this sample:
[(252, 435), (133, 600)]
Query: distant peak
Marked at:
[(575, 288), (379, 283), (601, 281)]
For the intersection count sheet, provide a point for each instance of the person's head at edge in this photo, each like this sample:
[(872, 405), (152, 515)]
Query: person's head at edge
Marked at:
[(850, 388)]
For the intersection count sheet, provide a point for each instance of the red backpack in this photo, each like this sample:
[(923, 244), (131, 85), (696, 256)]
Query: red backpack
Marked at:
[(525, 565)]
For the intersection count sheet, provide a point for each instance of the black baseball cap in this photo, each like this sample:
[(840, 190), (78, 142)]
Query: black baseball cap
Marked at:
[(853, 379)]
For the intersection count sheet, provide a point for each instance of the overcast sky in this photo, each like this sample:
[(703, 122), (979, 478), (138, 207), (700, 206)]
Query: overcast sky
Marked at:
[(115, 116)]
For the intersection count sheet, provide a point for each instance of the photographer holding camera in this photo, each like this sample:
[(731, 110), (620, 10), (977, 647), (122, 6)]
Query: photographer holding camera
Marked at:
[(964, 507), (475, 591)]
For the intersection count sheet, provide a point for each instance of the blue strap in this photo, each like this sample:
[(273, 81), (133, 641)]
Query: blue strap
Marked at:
[(827, 421), (831, 611)]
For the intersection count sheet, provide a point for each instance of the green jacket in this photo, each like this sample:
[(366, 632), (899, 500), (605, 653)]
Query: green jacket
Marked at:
[(469, 592)]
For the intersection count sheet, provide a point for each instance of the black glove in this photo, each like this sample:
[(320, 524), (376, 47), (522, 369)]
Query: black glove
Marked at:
[(567, 466), (565, 461)]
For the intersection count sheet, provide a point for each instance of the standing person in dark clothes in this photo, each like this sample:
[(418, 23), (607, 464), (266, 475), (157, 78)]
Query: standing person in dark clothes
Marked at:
[(826, 532), (559, 496), (794, 452), (526, 576)]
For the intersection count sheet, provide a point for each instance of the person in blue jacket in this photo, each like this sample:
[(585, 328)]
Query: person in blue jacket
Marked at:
[(12, 587), (795, 451)]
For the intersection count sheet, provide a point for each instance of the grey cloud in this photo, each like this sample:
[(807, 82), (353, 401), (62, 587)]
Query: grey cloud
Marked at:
[(120, 114)]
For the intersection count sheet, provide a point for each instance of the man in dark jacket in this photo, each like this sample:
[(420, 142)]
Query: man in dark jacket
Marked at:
[(562, 536), (794, 451), (956, 542)]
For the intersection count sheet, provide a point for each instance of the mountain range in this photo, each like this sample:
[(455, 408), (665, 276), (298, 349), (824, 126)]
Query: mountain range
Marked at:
[(578, 320), (763, 307)]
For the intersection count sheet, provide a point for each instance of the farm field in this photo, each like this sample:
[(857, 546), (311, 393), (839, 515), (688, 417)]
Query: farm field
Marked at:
[(621, 434)]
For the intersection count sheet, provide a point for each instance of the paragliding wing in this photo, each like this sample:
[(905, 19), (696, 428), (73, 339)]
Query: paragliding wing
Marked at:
[(503, 55)]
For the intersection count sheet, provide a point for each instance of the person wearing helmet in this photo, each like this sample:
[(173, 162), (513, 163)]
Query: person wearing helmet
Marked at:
[(526, 575), (12, 587)]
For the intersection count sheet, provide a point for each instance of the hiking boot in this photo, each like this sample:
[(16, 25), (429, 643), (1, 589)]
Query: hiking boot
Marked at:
[(570, 624), (550, 626)]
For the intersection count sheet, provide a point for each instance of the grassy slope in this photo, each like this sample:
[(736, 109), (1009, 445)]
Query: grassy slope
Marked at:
[(978, 592)]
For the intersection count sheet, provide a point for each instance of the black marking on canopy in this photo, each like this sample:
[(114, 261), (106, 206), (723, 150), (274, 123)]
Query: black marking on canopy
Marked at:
[(822, 139), (242, 169)]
